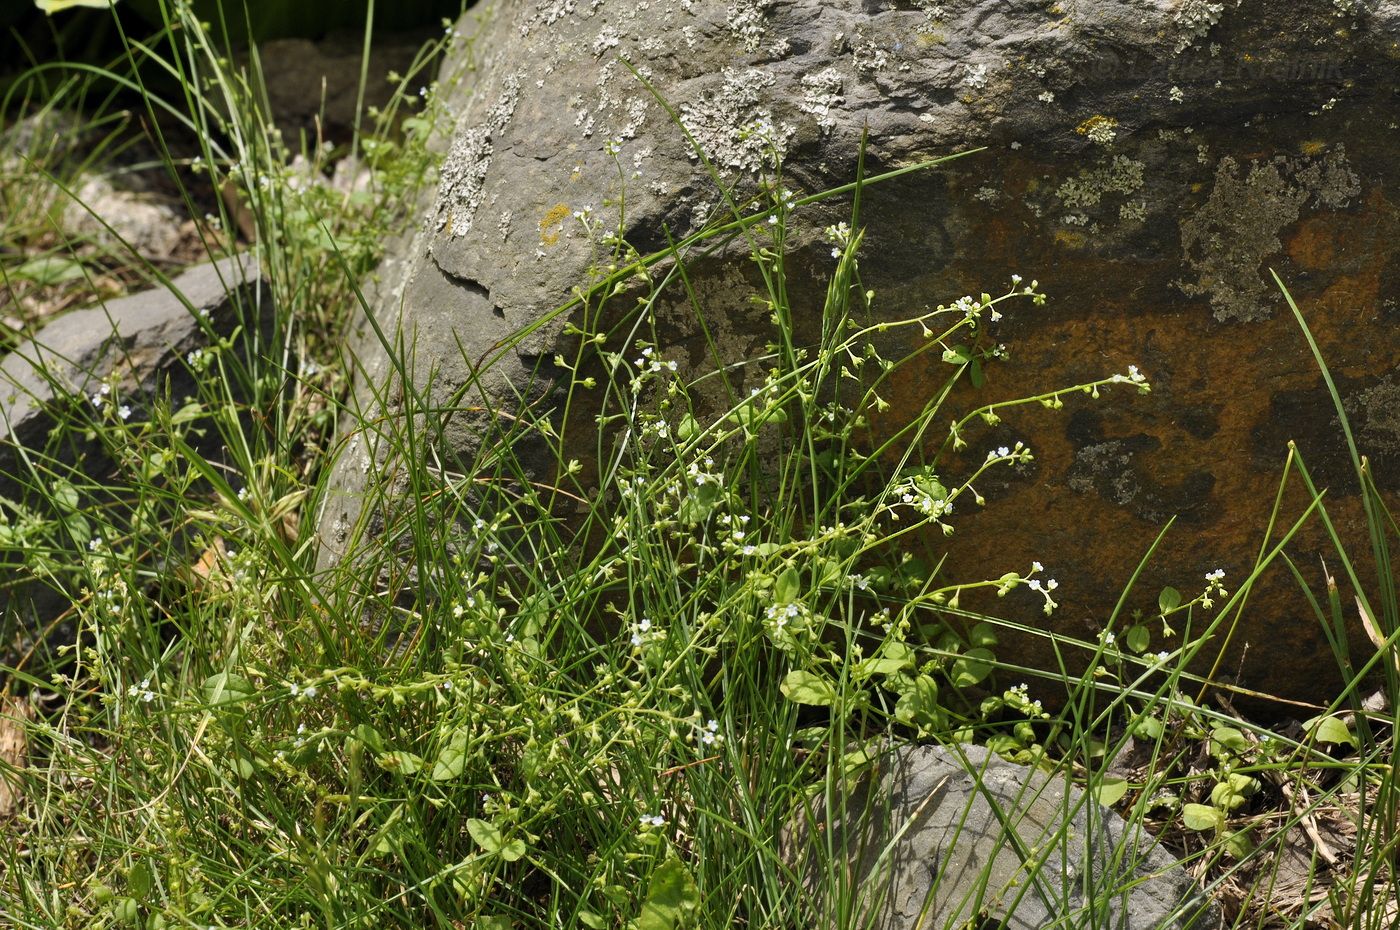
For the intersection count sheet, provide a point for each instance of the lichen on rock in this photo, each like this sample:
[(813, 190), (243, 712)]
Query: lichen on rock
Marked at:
[(1229, 238), (732, 128)]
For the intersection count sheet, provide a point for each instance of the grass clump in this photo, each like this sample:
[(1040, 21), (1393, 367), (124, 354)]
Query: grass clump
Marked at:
[(585, 695)]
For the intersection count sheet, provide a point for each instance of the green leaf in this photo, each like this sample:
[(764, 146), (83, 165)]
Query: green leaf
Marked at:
[(487, 835), (492, 922), (405, 763), (590, 919), (788, 586), (369, 736), (1148, 728), (700, 502), (1331, 730), (687, 429), (1228, 738), (64, 495), (919, 704), (672, 897), (226, 688), (1138, 638), (1202, 817), (975, 372), (983, 634), (892, 658), (808, 688), (972, 667), (1239, 844), (1230, 794), (51, 269), (140, 880), (957, 355), (513, 850), (1111, 790), (1168, 600), (452, 757)]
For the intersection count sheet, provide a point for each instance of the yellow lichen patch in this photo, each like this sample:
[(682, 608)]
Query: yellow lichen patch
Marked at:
[(552, 223), (1069, 239), (1312, 147), (1097, 123)]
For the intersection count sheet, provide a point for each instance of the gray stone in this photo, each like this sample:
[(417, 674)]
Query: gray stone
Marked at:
[(1148, 162), (137, 347), (126, 220), (313, 87), (958, 837)]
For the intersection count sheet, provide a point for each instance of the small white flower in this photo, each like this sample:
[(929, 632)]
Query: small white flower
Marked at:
[(653, 820), (124, 412)]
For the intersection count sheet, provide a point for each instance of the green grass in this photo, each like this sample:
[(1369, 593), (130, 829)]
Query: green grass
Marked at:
[(598, 695)]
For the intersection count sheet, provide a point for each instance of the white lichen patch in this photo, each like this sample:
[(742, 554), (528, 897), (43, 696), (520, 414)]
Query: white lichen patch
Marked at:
[(1377, 410), (608, 37), (747, 20), (463, 174), (933, 15), (1122, 175), (1238, 227), (867, 56), (821, 93), (547, 13), (1194, 20), (619, 118), (975, 76), (733, 131)]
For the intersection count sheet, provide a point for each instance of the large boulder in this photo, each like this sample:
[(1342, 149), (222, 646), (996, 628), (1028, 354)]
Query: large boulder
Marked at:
[(1147, 162)]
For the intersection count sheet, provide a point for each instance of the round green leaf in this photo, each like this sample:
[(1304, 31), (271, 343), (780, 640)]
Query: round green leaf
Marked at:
[(1202, 817), (808, 688), (672, 897), (226, 688), (1332, 730), (1168, 600), (1111, 790), (972, 667)]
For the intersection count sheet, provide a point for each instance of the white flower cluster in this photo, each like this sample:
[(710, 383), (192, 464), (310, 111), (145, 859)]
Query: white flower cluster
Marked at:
[(702, 476), (737, 527), (1214, 588), (709, 734), (142, 691), (644, 631), (1019, 454), (926, 504), (839, 235), (1043, 588)]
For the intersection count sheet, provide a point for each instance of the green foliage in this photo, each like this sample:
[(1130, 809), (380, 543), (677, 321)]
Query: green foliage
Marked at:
[(594, 697)]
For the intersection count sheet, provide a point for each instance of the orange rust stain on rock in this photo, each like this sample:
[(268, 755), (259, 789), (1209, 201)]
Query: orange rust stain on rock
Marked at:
[(1314, 245)]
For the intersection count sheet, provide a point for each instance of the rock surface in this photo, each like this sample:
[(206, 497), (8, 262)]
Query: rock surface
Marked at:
[(920, 859), (1147, 162), (109, 361)]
